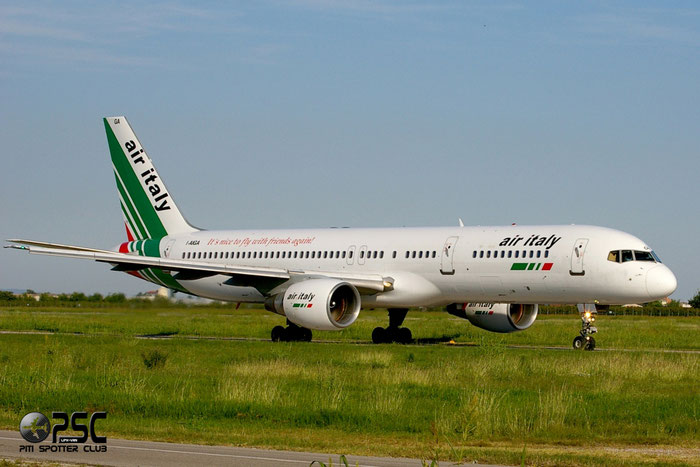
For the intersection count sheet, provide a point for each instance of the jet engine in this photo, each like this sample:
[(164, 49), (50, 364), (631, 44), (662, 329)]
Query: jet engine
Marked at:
[(323, 304), (496, 317)]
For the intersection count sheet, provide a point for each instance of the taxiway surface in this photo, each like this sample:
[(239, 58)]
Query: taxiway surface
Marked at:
[(123, 452)]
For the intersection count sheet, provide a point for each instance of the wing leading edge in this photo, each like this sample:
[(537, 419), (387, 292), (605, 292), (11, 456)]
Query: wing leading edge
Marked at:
[(252, 276)]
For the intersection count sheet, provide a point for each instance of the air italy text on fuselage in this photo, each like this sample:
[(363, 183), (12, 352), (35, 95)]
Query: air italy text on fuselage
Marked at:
[(533, 240), (158, 193)]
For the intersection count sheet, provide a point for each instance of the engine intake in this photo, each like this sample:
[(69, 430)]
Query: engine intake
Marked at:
[(322, 304), (496, 317)]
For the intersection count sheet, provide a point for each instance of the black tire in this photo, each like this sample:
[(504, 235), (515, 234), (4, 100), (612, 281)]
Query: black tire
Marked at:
[(578, 343), (590, 344), (292, 334), (379, 335), (305, 335), (404, 336), (277, 334)]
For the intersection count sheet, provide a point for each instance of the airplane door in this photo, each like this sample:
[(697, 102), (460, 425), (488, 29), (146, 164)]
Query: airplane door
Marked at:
[(361, 257), (351, 253), (577, 257), (168, 247), (447, 262)]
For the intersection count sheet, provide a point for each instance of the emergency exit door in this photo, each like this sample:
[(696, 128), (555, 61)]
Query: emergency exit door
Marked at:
[(448, 253), (577, 256)]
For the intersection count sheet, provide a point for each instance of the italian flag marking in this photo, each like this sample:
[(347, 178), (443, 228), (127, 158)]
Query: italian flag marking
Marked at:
[(531, 266)]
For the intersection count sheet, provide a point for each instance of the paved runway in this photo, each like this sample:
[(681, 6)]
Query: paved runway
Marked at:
[(122, 452)]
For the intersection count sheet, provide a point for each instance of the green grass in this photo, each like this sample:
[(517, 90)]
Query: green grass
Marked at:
[(428, 327), (483, 402)]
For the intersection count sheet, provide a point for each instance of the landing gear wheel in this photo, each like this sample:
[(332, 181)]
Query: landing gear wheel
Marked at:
[(305, 335), (380, 336), (404, 336), (585, 338), (394, 332), (590, 344), (277, 333)]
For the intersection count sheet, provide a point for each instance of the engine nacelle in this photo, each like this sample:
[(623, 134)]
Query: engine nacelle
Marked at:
[(322, 304), (496, 317)]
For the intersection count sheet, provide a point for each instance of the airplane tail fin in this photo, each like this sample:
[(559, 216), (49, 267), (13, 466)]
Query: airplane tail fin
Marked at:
[(148, 208)]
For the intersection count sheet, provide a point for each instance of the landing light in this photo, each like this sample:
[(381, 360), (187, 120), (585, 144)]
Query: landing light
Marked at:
[(388, 283)]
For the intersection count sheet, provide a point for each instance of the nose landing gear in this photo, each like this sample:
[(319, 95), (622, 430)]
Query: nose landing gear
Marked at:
[(585, 338), (586, 343)]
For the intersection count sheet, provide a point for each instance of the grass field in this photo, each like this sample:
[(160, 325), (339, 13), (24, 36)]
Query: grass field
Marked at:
[(486, 402)]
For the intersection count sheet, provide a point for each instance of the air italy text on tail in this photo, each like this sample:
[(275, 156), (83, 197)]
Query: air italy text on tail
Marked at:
[(148, 208)]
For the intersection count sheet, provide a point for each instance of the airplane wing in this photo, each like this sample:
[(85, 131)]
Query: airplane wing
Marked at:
[(252, 276)]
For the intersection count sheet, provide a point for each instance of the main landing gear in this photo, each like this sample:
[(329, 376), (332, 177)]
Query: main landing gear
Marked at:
[(393, 333), (585, 338), (292, 333)]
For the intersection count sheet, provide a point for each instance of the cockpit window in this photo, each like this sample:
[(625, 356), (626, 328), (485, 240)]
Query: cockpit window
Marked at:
[(643, 256), (623, 256), (627, 256)]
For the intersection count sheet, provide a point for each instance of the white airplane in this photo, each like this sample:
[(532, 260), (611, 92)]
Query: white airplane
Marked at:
[(495, 277)]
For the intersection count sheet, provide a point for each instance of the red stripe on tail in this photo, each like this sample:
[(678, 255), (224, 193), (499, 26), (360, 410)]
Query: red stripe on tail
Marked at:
[(128, 233)]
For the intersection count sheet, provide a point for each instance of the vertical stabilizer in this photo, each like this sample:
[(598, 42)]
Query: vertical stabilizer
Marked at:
[(148, 208)]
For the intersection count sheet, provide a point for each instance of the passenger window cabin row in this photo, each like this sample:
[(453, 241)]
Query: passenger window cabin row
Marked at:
[(510, 254), (372, 254), (267, 254)]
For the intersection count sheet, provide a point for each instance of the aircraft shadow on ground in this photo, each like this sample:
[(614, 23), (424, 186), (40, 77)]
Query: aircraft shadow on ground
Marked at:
[(161, 334)]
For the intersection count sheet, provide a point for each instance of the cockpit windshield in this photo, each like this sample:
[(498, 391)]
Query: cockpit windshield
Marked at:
[(623, 256), (643, 256)]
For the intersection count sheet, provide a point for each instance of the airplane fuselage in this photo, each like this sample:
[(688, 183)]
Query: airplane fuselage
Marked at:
[(435, 266)]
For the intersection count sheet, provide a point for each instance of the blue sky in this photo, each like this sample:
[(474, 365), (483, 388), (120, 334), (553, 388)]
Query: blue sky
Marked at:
[(318, 113)]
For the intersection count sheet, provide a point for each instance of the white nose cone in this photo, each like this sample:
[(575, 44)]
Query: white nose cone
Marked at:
[(660, 282)]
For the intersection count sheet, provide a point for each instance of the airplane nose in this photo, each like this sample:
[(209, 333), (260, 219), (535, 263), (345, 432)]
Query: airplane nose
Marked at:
[(660, 282)]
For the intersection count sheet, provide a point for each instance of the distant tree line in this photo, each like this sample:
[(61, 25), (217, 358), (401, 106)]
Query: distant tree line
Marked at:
[(695, 301), (56, 299), (64, 297), (673, 308), (96, 300)]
